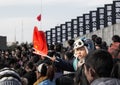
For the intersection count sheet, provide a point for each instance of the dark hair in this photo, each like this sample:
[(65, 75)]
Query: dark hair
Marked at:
[(43, 70), (51, 47), (104, 45), (93, 37), (58, 47), (71, 42), (116, 68), (10, 61), (51, 54), (98, 40), (30, 65), (50, 72), (116, 38), (101, 61), (21, 71), (64, 80), (69, 55)]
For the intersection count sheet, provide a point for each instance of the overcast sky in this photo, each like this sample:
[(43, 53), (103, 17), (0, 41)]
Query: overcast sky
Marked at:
[(16, 15)]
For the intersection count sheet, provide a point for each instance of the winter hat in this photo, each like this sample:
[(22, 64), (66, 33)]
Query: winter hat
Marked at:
[(9, 77), (42, 68), (78, 43), (87, 43)]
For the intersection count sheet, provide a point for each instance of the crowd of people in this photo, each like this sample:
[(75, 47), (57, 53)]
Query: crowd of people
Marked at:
[(83, 62)]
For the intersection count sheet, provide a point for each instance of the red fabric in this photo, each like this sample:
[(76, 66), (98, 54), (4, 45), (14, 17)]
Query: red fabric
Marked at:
[(39, 42), (39, 17)]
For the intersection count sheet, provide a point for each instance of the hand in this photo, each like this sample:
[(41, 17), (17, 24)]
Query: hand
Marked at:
[(53, 58), (81, 62)]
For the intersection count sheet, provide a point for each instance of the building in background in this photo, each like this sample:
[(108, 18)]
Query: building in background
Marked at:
[(3, 42)]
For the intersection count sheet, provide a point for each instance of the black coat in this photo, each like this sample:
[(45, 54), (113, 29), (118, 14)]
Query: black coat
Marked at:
[(31, 77), (80, 78)]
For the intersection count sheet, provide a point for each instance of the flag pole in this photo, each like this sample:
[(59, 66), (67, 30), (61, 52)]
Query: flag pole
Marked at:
[(41, 15), (50, 58), (22, 31), (15, 35), (37, 52)]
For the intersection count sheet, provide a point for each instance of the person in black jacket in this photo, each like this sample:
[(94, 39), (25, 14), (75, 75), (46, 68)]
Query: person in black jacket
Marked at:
[(30, 75), (81, 49), (98, 67)]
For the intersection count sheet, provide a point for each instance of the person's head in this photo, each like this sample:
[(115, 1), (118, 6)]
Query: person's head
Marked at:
[(93, 37), (99, 63), (82, 47), (116, 38), (114, 50), (42, 70), (58, 47), (104, 45), (46, 70), (29, 66), (98, 40), (10, 62), (71, 42), (51, 47), (68, 55)]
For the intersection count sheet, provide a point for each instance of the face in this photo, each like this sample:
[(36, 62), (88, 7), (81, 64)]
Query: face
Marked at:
[(27, 68), (97, 47), (80, 52), (65, 57)]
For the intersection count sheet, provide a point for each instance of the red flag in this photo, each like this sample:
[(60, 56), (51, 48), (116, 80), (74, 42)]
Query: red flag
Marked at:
[(39, 17), (39, 42)]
